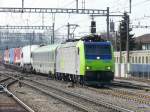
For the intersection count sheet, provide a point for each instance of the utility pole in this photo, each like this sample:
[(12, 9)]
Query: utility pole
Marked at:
[(130, 4), (120, 47), (68, 30), (73, 27), (42, 19), (83, 4), (107, 23), (77, 5), (22, 5), (127, 46), (52, 40), (116, 37), (53, 25)]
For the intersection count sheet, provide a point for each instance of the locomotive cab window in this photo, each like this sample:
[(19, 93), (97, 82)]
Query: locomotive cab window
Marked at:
[(92, 51)]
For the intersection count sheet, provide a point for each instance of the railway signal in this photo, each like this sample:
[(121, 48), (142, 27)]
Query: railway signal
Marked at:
[(93, 27)]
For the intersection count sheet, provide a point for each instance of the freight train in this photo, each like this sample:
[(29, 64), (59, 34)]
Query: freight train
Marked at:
[(88, 60)]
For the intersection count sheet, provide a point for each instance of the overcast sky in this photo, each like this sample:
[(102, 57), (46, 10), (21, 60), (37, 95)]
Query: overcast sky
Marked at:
[(140, 14)]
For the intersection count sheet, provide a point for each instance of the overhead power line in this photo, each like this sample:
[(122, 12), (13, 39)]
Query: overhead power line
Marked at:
[(140, 26), (141, 18), (140, 3), (68, 4), (130, 6)]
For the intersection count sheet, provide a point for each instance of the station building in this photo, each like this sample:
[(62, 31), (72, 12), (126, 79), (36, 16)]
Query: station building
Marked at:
[(139, 60)]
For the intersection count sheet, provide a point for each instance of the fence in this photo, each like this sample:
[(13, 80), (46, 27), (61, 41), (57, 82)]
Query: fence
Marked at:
[(141, 71)]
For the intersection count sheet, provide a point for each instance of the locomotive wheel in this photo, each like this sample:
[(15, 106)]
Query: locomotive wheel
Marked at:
[(81, 80)]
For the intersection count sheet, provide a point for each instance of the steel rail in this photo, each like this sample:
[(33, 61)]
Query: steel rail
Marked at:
[(15, 97), (125, 94), (138, 97), (98, 101), (3, 80), (109, 104), (19, 101), (134, 86), (81, 107), (75, 104)]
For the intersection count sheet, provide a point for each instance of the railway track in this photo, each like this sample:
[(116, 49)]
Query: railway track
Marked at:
[(120, 93), (9, 102), (124, 94), (115, 83), (81, 102), (128, 96), (134, 79), (5, 79), (130, 85)]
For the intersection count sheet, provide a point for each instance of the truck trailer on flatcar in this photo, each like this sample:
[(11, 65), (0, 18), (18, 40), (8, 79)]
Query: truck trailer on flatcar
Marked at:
[(26, 57)]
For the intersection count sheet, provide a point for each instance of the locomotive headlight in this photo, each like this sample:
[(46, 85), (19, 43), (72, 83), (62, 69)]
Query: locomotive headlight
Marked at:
[(108, 68), (88, 68), (98, 57)]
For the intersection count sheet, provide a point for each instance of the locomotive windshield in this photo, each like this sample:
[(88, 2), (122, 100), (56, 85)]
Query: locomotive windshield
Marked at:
[(97, 50)]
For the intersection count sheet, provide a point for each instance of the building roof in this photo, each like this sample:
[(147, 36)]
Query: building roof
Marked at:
[(143, 39)]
